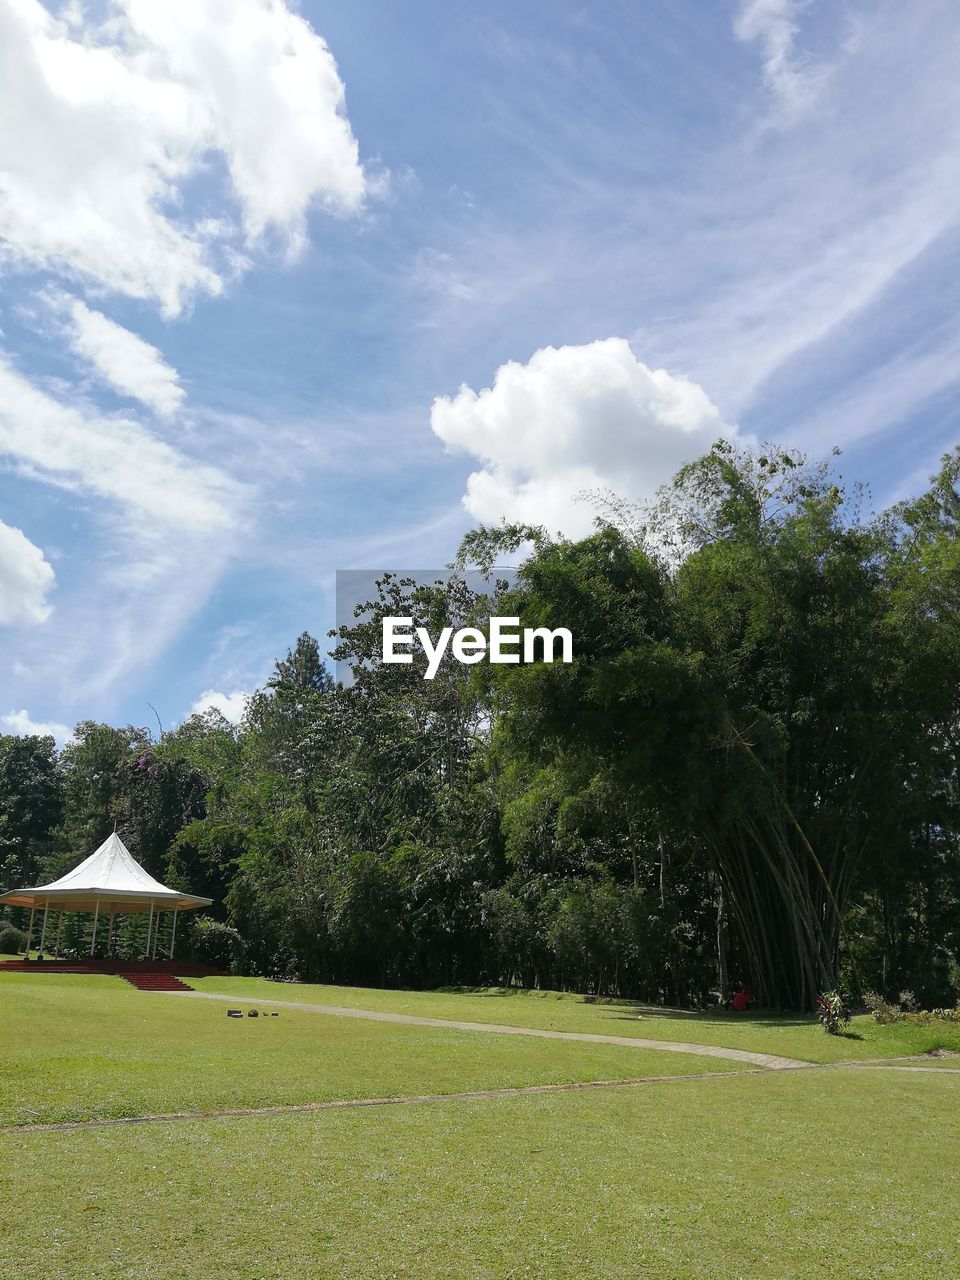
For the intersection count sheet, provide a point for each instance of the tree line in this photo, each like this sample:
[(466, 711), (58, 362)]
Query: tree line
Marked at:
[(749, 770)]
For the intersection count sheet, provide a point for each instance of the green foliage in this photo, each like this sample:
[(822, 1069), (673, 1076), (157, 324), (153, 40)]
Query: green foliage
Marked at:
[(883, 1011), (832, 1012), (12, 941), (772, 680), (908, 1010), (213, 942), (749, 770), (31, 806)]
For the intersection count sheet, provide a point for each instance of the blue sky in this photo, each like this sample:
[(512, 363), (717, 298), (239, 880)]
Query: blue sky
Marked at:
[(291, 290)]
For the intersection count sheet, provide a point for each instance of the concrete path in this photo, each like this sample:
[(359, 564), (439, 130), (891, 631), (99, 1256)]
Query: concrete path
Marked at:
[(896, 1066), (341, 1104), (769, 1061)]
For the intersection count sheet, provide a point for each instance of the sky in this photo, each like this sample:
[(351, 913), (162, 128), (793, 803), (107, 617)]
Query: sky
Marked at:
[(291, 290)]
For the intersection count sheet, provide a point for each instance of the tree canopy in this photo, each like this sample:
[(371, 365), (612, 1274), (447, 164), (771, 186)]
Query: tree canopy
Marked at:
[(749, 770)]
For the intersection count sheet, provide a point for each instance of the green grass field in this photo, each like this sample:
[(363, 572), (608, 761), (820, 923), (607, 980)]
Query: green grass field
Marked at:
[(791, 1035), (77, 1047), (783, 1175)]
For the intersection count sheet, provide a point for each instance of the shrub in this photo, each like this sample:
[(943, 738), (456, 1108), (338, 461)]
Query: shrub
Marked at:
[(215, 943), (931, 1015), (882, 1010), (12, 941), (832, 1012)]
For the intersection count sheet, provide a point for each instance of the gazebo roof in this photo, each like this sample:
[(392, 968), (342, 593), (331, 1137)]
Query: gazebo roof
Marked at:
[(110, 878)]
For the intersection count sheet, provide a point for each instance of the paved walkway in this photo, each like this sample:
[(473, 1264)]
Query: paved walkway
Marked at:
[(895, 1065), (769, 1061), (342, 1104), (470, 1095)]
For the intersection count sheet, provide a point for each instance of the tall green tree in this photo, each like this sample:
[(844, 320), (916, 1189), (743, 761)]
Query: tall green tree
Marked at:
[(31, 807)]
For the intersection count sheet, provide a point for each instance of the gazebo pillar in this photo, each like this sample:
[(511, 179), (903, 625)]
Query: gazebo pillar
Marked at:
[(43, 931), (110, 932), (96, 917), (56, 945), (173, 935), (149, 930), (26, 954)]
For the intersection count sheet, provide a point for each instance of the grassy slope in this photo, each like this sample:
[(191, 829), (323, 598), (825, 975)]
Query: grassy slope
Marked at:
[(791, 1035), (73, 1047), (784, 1176)]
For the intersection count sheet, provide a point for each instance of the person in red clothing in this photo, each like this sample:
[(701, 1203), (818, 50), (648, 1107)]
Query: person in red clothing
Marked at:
[(742, 999)]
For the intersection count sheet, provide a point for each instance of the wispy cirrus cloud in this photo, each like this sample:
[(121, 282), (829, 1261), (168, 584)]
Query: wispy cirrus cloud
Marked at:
[(742, 245), (117, 356), (153, 153), (794, 80), (112, 458)]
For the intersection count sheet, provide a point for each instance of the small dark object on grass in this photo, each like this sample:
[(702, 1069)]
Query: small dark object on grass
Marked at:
[(234, 1013), (253, 1014)]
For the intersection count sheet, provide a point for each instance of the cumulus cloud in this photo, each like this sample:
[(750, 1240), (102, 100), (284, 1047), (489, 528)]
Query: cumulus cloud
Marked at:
[(25, 579), (574, 419), (113, 458), (21, 725), (103, 125), (230, 705)]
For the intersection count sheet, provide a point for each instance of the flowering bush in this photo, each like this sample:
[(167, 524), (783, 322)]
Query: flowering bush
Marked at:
[(884, 1012)]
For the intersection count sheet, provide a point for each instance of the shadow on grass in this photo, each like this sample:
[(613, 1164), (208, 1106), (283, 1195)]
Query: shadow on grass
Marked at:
[(625, 1010)]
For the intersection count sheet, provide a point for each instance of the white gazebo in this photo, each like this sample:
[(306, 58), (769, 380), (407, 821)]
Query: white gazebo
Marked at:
[(109, 882)]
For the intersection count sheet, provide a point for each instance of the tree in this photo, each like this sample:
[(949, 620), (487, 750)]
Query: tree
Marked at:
[(31, 807), (762, 672)]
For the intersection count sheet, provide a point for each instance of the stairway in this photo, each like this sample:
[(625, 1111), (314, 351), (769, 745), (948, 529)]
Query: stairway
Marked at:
[(155, 982)]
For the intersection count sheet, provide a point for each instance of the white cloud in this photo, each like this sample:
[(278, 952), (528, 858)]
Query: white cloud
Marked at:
[(112, 458), (123, 360), (103, 126), (21, 725), (148, 150), (25, 579), (437, 274), (230, 705), (735, 252), (794, 81), (574, 418), (889, 395)]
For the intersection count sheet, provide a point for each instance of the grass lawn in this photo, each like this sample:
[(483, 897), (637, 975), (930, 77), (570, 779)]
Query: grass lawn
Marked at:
[(790, 1035), (74, 1047), (789, 1175), (784, 1176)]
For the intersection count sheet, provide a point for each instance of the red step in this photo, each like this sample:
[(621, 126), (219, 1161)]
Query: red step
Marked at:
[(155, 982)]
